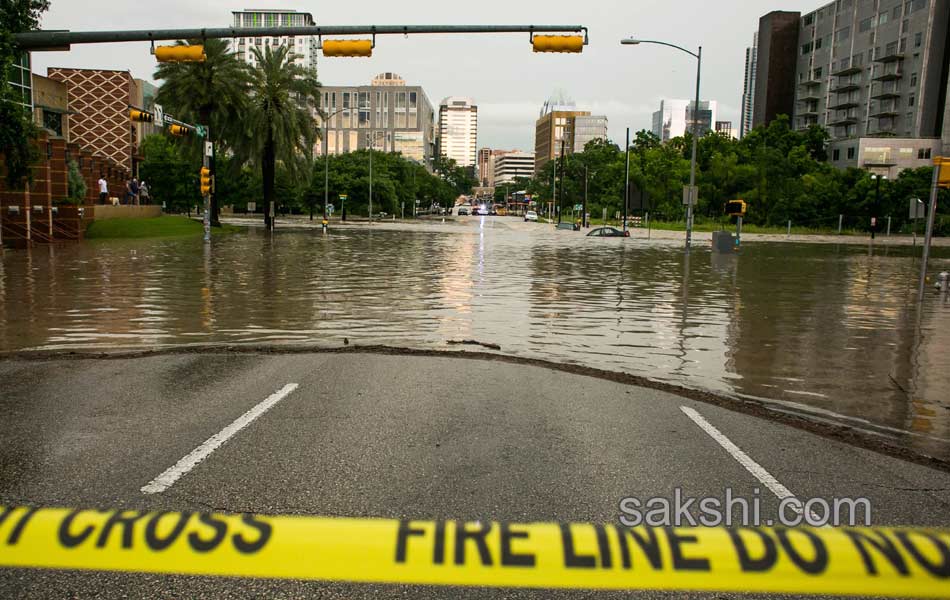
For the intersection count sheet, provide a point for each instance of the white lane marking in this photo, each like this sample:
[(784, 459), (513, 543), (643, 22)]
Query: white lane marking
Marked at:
[(757, 470), (190, 461)]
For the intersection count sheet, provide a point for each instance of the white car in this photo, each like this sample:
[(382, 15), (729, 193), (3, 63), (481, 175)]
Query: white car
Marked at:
[(530, 216)]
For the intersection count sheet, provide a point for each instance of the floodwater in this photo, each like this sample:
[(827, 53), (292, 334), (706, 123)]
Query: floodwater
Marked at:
[(833, 332)]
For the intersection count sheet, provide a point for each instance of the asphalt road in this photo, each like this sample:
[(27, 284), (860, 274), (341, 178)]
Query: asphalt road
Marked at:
[(397, 437)]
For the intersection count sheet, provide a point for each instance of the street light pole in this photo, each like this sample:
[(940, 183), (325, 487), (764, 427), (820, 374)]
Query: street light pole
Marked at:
[(373, 143), (326, 162), (692, 164)]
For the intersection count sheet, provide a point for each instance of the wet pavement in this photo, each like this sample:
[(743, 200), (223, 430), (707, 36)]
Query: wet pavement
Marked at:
[(830, 331)]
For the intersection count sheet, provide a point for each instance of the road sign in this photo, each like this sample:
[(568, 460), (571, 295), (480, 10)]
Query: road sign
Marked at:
[(252, 207), (578, 207), (690, 195), (159, 115), (209, 148), (918, 210), (342, 196), (201, 131)]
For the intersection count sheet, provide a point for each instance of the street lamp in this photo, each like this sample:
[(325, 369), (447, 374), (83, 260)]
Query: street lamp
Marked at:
[(326, 162), (692, 164), (877, 201)]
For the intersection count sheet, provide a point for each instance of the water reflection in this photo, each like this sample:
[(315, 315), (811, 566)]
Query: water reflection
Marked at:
[(832, 331)]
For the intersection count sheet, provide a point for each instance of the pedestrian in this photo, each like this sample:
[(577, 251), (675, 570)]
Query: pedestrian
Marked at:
[(128, 191), (135, 191), (103, 189), (144, 197)]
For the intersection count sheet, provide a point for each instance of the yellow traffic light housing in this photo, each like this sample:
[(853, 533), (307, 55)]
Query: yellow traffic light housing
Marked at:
[(179, 130), (180, 53), (141, 116), (943, 177), (348, 48), (736, 208), (558, 43), (205, 181)]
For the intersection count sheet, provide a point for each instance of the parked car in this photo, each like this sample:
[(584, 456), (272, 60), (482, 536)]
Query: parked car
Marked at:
[(463, 211), (608, 232), (530, 216)]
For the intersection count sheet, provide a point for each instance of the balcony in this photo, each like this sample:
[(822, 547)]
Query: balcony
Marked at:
[(844, 105), (888, 58), (888, 76), (843, 121), (885, 114), (847, 71), (809, 97), (811, 82), (808, 112), (845, 88), (886, 96)]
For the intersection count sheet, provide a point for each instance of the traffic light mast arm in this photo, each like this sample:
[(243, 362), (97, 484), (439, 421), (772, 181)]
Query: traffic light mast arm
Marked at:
[(58, 40)]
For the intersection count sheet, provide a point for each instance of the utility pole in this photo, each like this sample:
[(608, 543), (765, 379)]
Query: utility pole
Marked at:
[(626, 182), (560, 200), (370, 178), (584, 211)]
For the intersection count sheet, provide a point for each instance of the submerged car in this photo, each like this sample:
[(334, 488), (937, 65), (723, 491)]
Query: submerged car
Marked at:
[(608, 232)]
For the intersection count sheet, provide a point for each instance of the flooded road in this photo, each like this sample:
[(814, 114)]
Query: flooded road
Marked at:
[(830, 331)]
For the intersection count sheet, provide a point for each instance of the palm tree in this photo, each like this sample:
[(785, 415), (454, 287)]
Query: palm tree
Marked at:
[(280, 119), (212, 93)]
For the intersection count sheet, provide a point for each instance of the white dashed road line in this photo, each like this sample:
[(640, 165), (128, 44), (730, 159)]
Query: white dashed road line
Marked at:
[(190, 461), (757, 470)]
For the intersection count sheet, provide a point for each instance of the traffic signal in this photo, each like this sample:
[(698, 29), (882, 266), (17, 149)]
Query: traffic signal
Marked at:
[(348, 48), (180, 53), (179, 130), (943, 177), (205, 181), (141, 116), (558, 43), (735, 208)]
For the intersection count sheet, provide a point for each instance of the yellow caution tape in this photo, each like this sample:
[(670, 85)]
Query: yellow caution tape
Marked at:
[(880, 561)]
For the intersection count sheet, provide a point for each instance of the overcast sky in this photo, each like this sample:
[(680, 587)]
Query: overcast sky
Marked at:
[(508, 82)]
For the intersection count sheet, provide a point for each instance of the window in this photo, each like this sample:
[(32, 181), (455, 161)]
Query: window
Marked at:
[(918, 39), (882, 18), (842, 34), (910, 100), (809, 19), (890, 49), (818, 73), (913, 79), (851, 153), (806, 48), (903, 44), (836, 154), (918, 5), (923, 153), (865, 25), (818, 44), (896, 14)]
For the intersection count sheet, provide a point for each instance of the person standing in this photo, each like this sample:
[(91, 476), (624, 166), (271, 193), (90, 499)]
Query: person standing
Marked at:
[(144, 193), (128, 191), (103, 189), (135, 191)]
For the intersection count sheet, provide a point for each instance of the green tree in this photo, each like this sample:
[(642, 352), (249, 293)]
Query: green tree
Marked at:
[(171, 178), (75, 184), (283, 98), (211, 93), (16, 125)]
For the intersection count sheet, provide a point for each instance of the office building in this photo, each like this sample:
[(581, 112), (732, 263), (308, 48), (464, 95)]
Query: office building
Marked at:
[(874, 75), (99, 112), (512, 164), (675, 118), (304, 47), (561, 121), (458, 130), (51, 106), (725, 128), (775, 63), (748, 86), (485, 166), (388, 115)]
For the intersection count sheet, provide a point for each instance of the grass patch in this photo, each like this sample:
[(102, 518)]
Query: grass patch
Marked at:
[(157, 227)]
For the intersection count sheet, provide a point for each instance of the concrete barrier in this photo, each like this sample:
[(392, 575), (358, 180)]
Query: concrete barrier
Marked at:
[(104, 211)]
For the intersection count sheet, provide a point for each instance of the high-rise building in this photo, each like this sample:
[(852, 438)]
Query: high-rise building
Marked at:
[(873, 74), (560, 121), (387, 114), (775, 63), (458, 130), (748, 86), (304, 47), (675, 118), (485, 166), (512, 164)]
